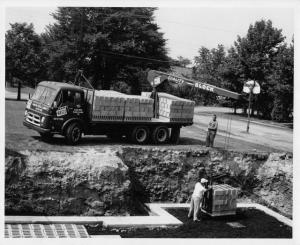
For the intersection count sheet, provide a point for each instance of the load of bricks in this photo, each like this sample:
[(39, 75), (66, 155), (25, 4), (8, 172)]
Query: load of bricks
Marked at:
[(138, 108), (108, 106), (173, 108), (222, 200), (114, 106)]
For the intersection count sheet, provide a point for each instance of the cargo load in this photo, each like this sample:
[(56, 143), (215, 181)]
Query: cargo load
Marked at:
[(110, 105), (221, 200), (138, 108), (173, 108)]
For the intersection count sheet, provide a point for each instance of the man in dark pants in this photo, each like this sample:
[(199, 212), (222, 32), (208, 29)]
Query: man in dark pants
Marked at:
[(212, 131)]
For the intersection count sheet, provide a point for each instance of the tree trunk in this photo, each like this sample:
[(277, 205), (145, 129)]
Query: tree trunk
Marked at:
[(19, 91)]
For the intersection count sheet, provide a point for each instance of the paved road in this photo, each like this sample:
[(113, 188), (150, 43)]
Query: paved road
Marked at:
[(265, 135), (260, 138)]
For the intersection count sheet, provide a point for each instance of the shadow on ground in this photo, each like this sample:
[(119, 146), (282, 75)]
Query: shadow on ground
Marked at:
[(94, 140), (256, 224)]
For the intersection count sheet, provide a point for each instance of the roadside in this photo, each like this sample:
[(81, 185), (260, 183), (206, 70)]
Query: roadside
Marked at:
[(266, 139), (12, 93), (227, 113)]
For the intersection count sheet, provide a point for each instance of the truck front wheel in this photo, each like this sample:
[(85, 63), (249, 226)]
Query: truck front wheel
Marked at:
[(160, 135), (73, 133), (140, 135)]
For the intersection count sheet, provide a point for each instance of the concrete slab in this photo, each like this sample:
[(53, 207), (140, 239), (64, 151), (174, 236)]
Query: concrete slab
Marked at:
[(106, 236), (52, 220), (268, 211), (158, 217)]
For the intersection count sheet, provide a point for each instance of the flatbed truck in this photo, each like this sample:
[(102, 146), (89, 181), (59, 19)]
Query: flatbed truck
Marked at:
[(62, 108)]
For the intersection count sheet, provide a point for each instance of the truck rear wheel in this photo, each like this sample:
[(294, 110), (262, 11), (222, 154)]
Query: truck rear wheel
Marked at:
[(140, 135), (160, 135), (73, 133), (175, 133)]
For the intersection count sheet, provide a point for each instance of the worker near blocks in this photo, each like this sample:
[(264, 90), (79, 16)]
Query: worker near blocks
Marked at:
[(211, 131), (196, 199)]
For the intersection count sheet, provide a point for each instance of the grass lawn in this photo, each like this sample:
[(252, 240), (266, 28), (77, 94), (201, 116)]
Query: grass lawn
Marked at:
[(257, 225)]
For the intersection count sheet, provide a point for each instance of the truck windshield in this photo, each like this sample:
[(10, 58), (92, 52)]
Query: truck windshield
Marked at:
[(44, 95)]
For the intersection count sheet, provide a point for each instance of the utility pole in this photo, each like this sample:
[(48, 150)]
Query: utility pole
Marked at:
[(249, 107), (251, 87)]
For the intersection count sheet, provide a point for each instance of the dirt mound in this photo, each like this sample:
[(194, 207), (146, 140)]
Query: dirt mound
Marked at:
[(56, 183)]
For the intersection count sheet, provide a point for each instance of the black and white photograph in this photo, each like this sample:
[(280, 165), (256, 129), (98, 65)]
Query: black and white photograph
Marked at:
[(149, 121)]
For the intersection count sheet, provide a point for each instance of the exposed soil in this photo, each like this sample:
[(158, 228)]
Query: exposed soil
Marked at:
[(168, 173), (257, 225), (107, 183), (163, 175)]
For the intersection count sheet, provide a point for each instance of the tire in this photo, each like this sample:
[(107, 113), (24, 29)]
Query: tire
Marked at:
[(175, 133), (46, 136), (160, 135), (73, 133), (140, 135)]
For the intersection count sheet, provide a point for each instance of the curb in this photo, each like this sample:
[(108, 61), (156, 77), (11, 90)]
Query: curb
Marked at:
[(159, 217)]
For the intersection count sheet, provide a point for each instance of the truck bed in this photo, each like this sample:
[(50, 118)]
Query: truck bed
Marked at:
[(154, 121)]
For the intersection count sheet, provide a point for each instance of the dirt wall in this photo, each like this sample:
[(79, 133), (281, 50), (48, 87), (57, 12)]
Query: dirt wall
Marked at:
[(111, 183), (56, 183), (161, 175)]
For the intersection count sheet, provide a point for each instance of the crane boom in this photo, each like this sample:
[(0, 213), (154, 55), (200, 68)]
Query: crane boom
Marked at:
[(158, 77)]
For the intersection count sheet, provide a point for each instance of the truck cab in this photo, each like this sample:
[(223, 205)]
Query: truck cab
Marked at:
[(56, 108)]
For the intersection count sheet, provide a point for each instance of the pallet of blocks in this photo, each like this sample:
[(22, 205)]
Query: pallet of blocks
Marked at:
[(138, 108), (223, 200), (108, 106), (175, 109)]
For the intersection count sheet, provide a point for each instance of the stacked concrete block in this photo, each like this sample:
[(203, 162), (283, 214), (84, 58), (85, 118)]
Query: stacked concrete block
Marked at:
[(138, 108), (110, 105), (174, 108), (146, 94), (224, 200)]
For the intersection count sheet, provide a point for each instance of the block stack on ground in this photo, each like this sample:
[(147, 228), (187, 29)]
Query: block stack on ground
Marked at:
[(224, 200), (110, 105), (174, 108)]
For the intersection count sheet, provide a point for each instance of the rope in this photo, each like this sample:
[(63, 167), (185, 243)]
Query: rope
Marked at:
[(227, 136)]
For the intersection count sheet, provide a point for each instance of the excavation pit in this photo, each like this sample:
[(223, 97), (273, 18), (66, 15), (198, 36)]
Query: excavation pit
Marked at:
[(113, 183)]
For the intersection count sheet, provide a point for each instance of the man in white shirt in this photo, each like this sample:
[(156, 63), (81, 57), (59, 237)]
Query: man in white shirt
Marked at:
[(196, 199)]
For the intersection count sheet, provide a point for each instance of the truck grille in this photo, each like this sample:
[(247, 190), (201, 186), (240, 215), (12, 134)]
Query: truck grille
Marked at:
[(33, 118)]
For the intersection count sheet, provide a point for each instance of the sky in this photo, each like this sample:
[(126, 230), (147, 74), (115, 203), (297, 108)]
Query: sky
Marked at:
[(186, 29)]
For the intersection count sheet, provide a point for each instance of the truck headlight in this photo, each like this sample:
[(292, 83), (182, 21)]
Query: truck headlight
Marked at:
[(42, 119), (25, 114)]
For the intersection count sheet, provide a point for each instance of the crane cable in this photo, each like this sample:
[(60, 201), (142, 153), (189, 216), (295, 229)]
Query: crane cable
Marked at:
[(227, 135)]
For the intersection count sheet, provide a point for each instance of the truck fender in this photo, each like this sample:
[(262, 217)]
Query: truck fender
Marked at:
[(71, 120)]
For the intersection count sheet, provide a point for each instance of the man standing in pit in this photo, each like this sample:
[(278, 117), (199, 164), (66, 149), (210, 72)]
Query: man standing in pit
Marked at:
[(196, 199), (211, 131)]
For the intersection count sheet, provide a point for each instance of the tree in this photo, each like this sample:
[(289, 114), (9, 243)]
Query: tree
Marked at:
[(112, 45), (208, 68), (183, 62), (282, 80), (255, 56), (23, 54)]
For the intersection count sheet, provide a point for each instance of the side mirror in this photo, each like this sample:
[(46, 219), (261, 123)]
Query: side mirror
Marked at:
[(54, 104)]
